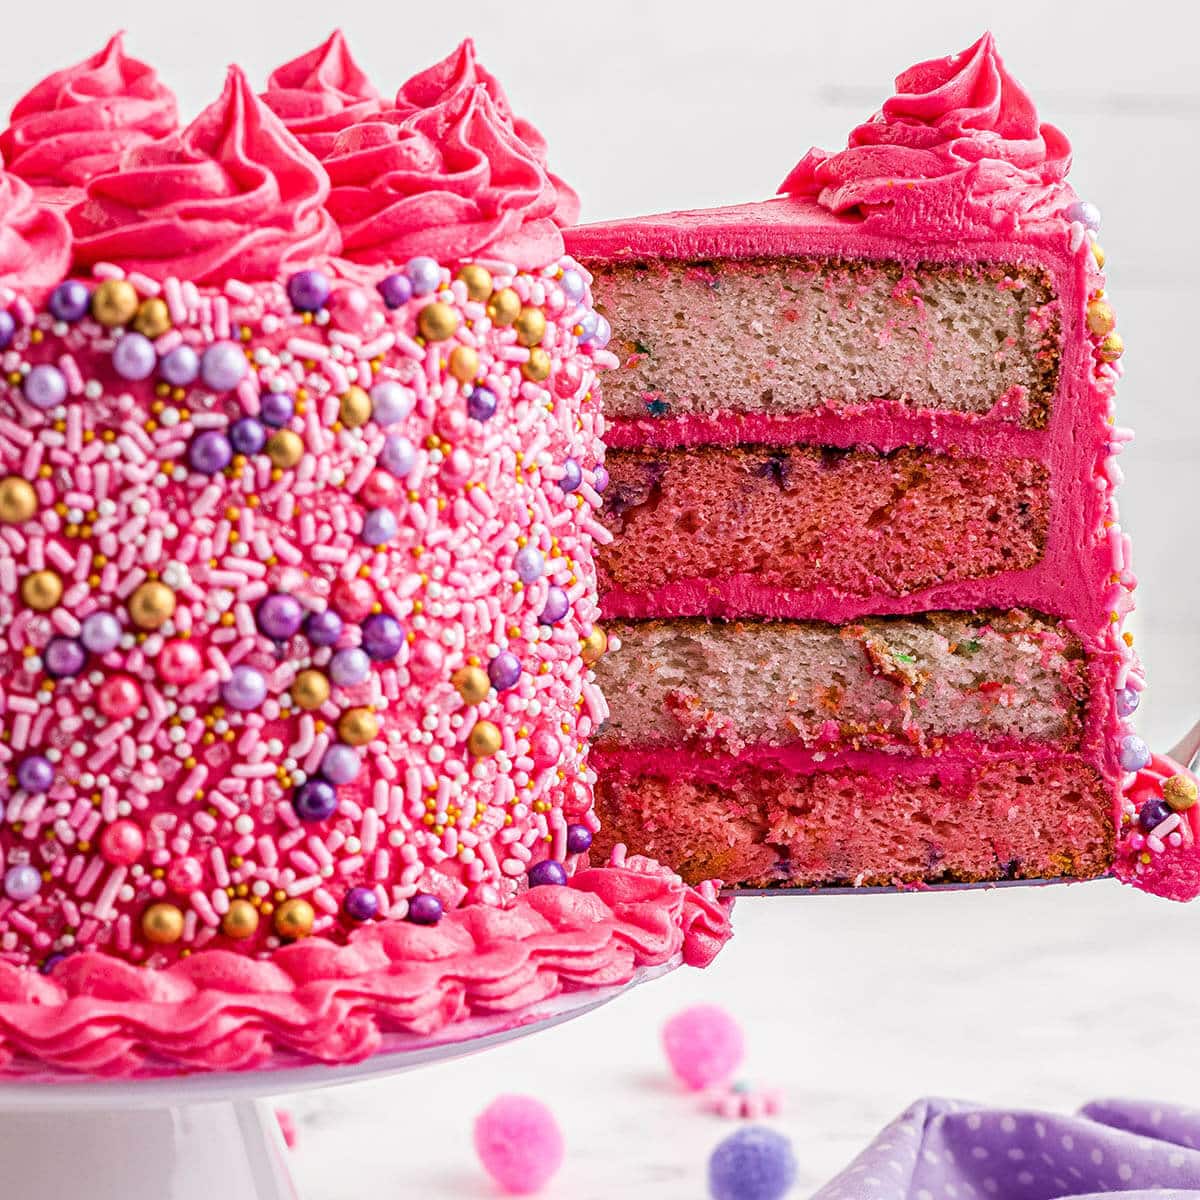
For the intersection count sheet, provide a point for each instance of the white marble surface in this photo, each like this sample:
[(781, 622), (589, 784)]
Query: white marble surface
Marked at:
[(854, 1006)]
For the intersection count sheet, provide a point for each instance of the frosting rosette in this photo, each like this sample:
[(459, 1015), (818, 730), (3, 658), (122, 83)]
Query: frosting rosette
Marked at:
[(958, 145), (232, 195), (321, 92), (457, 74), (77, 123), (453, 181), (35, 240)]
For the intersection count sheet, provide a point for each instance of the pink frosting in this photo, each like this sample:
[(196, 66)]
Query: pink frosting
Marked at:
[(457, 73), (35, 241), (318, 94), (959, 145), (222, 1011), (77, 123), (233, 194), (452, 181)]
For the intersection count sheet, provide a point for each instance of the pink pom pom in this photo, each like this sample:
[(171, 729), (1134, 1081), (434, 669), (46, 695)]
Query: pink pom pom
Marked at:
[(519, 1143), (704, 1045)]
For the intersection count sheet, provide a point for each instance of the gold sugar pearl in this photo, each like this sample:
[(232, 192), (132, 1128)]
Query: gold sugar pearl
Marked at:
[(504, 307), (310, 689), (153, 318), (437, 321), (1098, 254), (530, 326), (18, 500), (115, 302), (537, 368), (1112, 347), (294, 919), (472, 684), (1180, 793), (594, 645), (1101, 319), (151, 605), (478, 281), (484, 739), (357, 726), (42, 590), (354, 407), (241, 921), (284, 448), (162, 924), (464, 364)]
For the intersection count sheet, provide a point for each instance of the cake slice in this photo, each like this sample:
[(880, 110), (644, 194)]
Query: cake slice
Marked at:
[(866, 566)]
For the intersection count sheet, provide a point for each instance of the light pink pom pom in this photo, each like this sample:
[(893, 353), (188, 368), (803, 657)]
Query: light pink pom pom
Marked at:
[(519, 1143), (704, 1045)]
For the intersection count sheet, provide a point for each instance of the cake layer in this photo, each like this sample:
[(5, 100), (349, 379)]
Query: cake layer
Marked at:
[(909, 681), (857, 521), (859, 819), (793, 334)]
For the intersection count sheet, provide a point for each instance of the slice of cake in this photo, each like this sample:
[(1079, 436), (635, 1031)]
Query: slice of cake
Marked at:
[(866, 572)]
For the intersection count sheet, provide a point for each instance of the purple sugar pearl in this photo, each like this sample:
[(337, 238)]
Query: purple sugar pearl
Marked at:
[(504, 670), (209, 452), (315, 800), (276, 409), (1154, 812), (223, 366), (309, 290), (530, 564), (390, 402), (361, 903), (548, 873), (572, 285), (601, 479), (588, 323), (247, 435), (51, 962), (752, 1164), (1127, 702), (556, 608), (572, 476), (424, 909), (481, 404), (100, 632), (424, 274), (1135, 754), (180, 367), (45, 386), (349, 667), (35, 774), (1085, 213), (323, 628), (379, 527), (382, 636), (603, 333), (340, 763), (579, 839), (279, 616), (245, 689), (69, 301), (134, 357), (398, 456), (22, 883), (8, 328), (396, 290), (64, 656)]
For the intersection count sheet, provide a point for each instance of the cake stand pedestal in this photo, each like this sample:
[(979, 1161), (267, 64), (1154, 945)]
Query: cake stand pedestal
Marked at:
[(206, 1135)]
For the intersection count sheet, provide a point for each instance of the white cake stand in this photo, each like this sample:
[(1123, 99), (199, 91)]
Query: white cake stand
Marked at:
[(210, 1136)]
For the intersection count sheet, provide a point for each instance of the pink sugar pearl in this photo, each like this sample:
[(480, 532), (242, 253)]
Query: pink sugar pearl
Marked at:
[(122, 843), (380, 489), (180, 662), (427, 659), (704, 1046), (184, 875), (353, 598), (119, 697), (519, 1143)]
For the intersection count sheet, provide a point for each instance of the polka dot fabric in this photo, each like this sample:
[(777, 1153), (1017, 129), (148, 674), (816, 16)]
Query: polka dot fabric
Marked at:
[(949, 1150)]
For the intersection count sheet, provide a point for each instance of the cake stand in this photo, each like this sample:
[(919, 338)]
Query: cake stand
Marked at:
[(206, 1135)]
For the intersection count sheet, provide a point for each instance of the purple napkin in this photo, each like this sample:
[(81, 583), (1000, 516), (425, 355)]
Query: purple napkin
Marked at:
[(950, 1150)]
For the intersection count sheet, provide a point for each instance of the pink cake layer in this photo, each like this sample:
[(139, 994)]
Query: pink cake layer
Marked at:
[(858, 522), (860, 818)]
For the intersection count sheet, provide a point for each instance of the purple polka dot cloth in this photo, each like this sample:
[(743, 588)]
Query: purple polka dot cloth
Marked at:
[(948, 1150)]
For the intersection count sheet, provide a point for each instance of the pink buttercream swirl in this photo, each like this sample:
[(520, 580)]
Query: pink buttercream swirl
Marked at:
[(958, 146), (35, 241), (452, 181), (223, 1011), (232, 195), (77, 123), (320, 93)]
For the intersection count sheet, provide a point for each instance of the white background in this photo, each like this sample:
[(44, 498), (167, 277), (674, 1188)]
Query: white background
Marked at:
[(854, 1006)]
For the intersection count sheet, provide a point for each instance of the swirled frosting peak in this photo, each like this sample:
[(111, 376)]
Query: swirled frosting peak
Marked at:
[(958, 145), (318, 94), (453, 181), (35, 240), (456, 74), (232, 195), (77, 123)]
